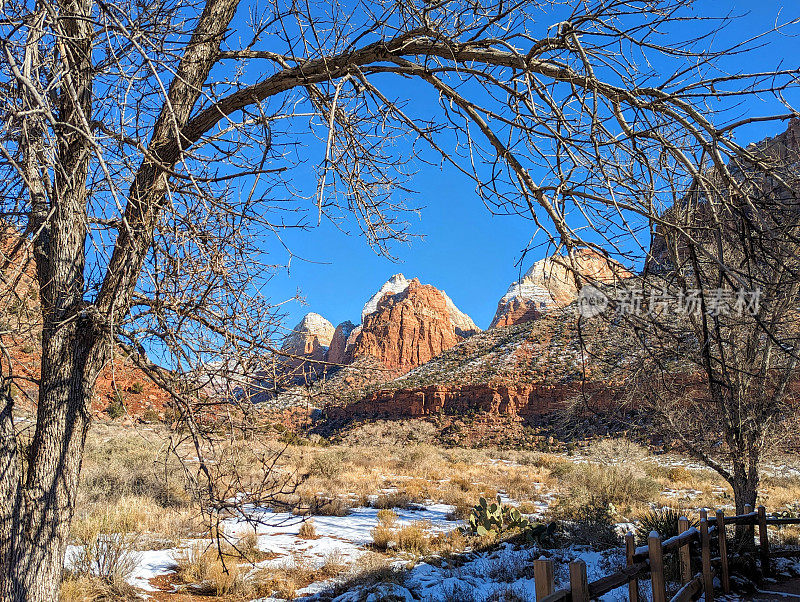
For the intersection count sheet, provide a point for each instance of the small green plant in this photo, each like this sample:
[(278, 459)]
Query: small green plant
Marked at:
[(116, 408), (494, 518), (137, 388), (663, 521)]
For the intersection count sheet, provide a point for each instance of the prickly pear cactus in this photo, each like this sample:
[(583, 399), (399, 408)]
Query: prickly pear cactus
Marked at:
[(494, 517)]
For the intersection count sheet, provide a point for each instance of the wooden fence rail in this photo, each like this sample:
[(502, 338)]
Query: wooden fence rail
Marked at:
[(649, 560)]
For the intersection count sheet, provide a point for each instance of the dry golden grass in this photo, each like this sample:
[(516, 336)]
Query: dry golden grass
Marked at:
[(207, 572), (92, 589), (131, 486), (308, 530), (414, 538)]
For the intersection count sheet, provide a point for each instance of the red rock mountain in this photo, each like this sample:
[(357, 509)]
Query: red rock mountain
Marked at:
[(552, 283), (408, 328), (405, 324)]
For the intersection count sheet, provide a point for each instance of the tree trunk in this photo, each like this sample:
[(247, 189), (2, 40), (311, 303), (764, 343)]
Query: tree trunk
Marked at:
[(35, 538), (745, 483)]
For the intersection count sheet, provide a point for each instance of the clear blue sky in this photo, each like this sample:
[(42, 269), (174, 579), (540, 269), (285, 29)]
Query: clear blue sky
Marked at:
[(466, 251)]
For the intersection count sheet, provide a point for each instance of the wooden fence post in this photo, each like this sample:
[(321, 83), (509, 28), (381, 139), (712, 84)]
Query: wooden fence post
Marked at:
[(578, 582), (656, 567), (749, 545), (633, 584), (725, 576), (684, 553), (543, 577), (705, 555), (763, 540)]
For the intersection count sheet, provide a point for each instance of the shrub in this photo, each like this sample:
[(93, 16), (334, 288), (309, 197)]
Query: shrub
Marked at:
[(399, 499), (136, 388), (617, 485), (662, 520), (588, 522), (201, 566), (616, 451), (93, 589), (384, 533), (328, 507), (109, 556), (414, 538), (247, 547), (387, 517), (328, 464), (116, 407), (151, 415), (308, 530)]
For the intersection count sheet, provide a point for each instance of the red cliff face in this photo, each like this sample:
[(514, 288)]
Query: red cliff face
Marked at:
[(406, 330), (20, 324), (337, 352), (521, 401)]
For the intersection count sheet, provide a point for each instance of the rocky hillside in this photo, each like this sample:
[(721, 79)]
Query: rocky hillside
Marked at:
[(120, 387), (552, 283)]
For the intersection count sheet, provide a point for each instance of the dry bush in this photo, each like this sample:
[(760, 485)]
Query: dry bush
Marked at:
[(334, 565), (308, 530), (423, 460), (201, 566), (387, 517), (461, 509), (451, 542), (617, 485), (414, 538), (142, 515), (110, 557), (284, 580), (610, 452), (780, 492), (94, 589), (462, 483), (328, 463), (320, 506), (384, 533), (247, 548), (371, 568), (382, 536), (398, 499), (120, 463)]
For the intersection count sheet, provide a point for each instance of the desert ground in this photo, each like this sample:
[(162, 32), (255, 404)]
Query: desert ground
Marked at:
[(380, 521)]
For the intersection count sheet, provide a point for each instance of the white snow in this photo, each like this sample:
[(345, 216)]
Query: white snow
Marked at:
[(396, 284), (152, 563)]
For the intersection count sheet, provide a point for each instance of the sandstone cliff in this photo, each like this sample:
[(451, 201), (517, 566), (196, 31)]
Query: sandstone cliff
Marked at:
[(552, 283), (337, 351), (407, 326)]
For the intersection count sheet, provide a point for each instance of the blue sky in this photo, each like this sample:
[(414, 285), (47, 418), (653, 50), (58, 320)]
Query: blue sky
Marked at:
[(466, 251)]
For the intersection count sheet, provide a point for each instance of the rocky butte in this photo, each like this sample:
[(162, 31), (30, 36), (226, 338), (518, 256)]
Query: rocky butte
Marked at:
[(405, 324), (553, 282)]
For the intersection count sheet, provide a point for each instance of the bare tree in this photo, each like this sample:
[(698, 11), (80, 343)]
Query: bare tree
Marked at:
[(717, 326), (150, 155)]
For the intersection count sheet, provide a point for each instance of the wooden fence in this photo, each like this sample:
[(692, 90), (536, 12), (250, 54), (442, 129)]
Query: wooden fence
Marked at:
[(649, 559)]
